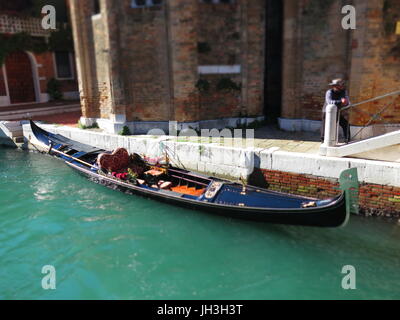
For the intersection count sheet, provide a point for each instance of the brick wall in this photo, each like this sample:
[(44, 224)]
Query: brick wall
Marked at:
[(216, 103), (145, 52), (233, 34), (92, 93), (376, 59), (373, 199), (183, 15), (219, 27), (219, 43), (317, 49), (101, 60), (143, 62), (253, 53)]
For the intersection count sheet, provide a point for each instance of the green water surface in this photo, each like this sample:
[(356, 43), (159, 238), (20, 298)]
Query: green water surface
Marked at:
[(108, 245)]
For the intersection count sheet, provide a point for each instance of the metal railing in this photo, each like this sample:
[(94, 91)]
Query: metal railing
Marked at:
[(373, 117), (371, 100)]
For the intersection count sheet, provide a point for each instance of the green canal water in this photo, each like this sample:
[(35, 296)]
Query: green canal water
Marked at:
[(108, 245)]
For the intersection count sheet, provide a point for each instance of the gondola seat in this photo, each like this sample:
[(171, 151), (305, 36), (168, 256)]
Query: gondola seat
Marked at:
[(165, 185)]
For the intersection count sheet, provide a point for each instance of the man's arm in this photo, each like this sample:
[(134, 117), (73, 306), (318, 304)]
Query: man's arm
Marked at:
[(329, 99), (345, 100)]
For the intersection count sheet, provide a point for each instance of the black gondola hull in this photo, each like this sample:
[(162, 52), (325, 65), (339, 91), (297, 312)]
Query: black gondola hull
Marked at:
[(331, 214), (317, 217)]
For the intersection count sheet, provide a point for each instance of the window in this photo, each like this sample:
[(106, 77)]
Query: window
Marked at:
[(96, 7), (63, 63), (145, 3)]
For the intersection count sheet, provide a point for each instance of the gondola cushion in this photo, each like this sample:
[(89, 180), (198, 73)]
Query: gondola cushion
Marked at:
[(115, 161)]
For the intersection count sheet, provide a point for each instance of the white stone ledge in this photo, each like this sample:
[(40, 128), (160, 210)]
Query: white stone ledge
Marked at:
[(386, 140)]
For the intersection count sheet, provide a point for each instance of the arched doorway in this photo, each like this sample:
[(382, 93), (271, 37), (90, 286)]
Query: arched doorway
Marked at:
[(21, 87)]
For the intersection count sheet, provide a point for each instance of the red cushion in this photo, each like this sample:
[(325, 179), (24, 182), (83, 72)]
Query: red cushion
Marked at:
[(116, 161)]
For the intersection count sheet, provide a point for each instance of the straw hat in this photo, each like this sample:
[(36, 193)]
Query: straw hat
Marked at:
[(337, 82)]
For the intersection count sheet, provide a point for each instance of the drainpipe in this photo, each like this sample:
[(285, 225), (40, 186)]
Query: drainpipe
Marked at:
[(330, 129)]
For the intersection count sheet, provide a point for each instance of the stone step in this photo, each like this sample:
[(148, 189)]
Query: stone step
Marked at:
[(38, 112), (16, 134), (12, 124), (18, 140)]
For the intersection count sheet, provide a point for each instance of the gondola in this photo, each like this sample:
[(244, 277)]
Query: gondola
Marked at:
[(194, 190)]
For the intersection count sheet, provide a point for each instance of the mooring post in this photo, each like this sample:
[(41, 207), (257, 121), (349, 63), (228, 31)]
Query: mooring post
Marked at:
[(330, 128)]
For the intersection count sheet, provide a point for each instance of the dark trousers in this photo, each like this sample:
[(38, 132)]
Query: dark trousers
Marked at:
[(342, 122)]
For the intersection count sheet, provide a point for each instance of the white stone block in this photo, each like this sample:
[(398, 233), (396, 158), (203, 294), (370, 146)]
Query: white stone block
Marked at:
[(328, 167), (201, 166), (265, 159)]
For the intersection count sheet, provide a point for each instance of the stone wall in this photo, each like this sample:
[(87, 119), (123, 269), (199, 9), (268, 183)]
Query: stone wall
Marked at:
[(91, 95), (219, 43), (101, 61), (232, 34), (141, 63), (376, 59), (253, 53), (317, 49), (182, 22), (144, 51)]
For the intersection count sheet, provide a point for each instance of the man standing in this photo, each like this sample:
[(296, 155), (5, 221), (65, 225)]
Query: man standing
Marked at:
[(338, 96)]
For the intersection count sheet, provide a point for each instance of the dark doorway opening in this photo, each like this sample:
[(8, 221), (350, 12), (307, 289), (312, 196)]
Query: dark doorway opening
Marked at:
[(273, 60)]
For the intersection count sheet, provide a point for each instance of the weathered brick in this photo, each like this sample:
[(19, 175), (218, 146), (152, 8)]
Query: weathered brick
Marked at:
[(143, 62)]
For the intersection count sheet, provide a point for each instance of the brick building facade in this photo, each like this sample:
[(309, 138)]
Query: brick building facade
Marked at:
[(317, 49), (146, 61), (24, 74), (143, 63)]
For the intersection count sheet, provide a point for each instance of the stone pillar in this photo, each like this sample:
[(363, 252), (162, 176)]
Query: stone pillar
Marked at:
[(112, 18), (80, 13), (331, 128)]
